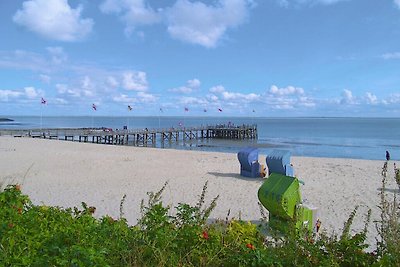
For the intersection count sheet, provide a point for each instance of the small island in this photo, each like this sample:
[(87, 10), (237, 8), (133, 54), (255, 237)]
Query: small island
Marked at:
[(5, 120)]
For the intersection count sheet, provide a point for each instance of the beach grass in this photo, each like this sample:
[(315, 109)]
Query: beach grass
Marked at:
[(42, 235)]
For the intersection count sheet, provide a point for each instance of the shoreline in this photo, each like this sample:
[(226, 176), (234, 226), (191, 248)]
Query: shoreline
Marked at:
[(60, 173)]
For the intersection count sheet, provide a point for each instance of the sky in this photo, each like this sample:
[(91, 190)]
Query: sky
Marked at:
[(264, 58)]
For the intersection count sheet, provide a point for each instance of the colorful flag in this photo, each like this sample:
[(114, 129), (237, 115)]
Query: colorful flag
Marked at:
[(129, 108), (219, 109), (43, 101), (186, 109), (94, 107)]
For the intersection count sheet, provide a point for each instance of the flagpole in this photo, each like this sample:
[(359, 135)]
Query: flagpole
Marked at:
[(94, 110), (184, 119), (41, 116)]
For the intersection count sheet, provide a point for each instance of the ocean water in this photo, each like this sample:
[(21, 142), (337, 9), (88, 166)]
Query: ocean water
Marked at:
[(363, 138)]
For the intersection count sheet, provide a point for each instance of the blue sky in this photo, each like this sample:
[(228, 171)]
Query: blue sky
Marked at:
[(276, 57)]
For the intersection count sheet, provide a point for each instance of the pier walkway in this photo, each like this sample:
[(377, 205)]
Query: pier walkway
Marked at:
[(135, 137)]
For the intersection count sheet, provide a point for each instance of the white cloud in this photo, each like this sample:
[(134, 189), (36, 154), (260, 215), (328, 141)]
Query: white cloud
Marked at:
[(395, 55), (189, 21), (190, 86), (198, 23), (27, 93), (60, 101), (112, 82), (135, 80), (5, 95), (122, 98), (30, 92), (371, 98), (57, 54), (45, 78), (87, 83), (231, 96), (289, 97), (285, 3), (146, 98), (195, 83), (61, 88), (53, 19), (217, 89), (132, 12), (192, 101), (290, 90), (212, 98), (397, 3), (64, 89), (393, 99), (347, 97)]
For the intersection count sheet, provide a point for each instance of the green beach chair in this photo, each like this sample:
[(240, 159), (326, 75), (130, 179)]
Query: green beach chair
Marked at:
[(280, 195)]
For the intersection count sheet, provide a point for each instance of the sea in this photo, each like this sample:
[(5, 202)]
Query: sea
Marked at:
[(359, 138)]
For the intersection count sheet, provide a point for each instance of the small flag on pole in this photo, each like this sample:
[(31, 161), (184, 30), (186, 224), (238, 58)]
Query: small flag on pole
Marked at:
[(205, 110), (219, 109), (43, 101), (186, 109), (94, 107), (129, 108)]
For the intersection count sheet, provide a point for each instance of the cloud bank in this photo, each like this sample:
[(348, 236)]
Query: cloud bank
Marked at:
[(54, 20)]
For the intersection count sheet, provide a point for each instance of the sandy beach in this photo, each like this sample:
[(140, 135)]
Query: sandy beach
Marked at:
[(64, 174)]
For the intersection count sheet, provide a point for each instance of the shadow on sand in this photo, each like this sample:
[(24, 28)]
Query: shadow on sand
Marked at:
[(391, 190), (237, 176)]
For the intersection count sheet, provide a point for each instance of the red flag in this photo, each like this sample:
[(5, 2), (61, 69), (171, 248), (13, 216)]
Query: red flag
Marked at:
[(220, 110), (94, 107), (43, 101), (186, 109), (129, 108)]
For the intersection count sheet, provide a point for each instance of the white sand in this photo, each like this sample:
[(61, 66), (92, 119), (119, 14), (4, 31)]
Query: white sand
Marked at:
[(65, 174)]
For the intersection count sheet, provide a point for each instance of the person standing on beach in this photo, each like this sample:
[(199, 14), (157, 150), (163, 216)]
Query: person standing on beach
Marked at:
[(387, 155)]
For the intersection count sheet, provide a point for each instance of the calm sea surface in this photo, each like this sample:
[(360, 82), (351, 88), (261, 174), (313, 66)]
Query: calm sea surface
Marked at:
[(364, 138)]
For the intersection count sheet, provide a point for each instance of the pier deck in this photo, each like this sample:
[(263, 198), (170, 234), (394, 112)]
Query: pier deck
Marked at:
[(138, 137)]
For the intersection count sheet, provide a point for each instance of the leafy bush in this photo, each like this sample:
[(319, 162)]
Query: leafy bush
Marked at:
[(33, 235)]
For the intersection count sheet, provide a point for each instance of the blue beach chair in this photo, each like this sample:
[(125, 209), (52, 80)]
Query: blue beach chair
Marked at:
[(278, 161), (249, 165)]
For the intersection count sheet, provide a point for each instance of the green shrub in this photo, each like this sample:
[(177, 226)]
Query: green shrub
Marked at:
[(33, 235)]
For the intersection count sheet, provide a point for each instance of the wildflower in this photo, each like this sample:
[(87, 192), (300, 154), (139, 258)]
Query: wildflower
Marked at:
[(92, 210), (250, 246), (205, 235), (10, 225), (19, 210), (318, 225), (18, 187)]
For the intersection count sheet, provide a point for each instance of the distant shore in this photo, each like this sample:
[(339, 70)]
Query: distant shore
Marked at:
[(66, 173), (5, 119)]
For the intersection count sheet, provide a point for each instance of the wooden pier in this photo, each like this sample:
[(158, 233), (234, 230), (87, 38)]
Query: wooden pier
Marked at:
[(142, 137)]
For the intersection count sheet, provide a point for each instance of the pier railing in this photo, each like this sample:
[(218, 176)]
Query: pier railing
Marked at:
[(138, 137)]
